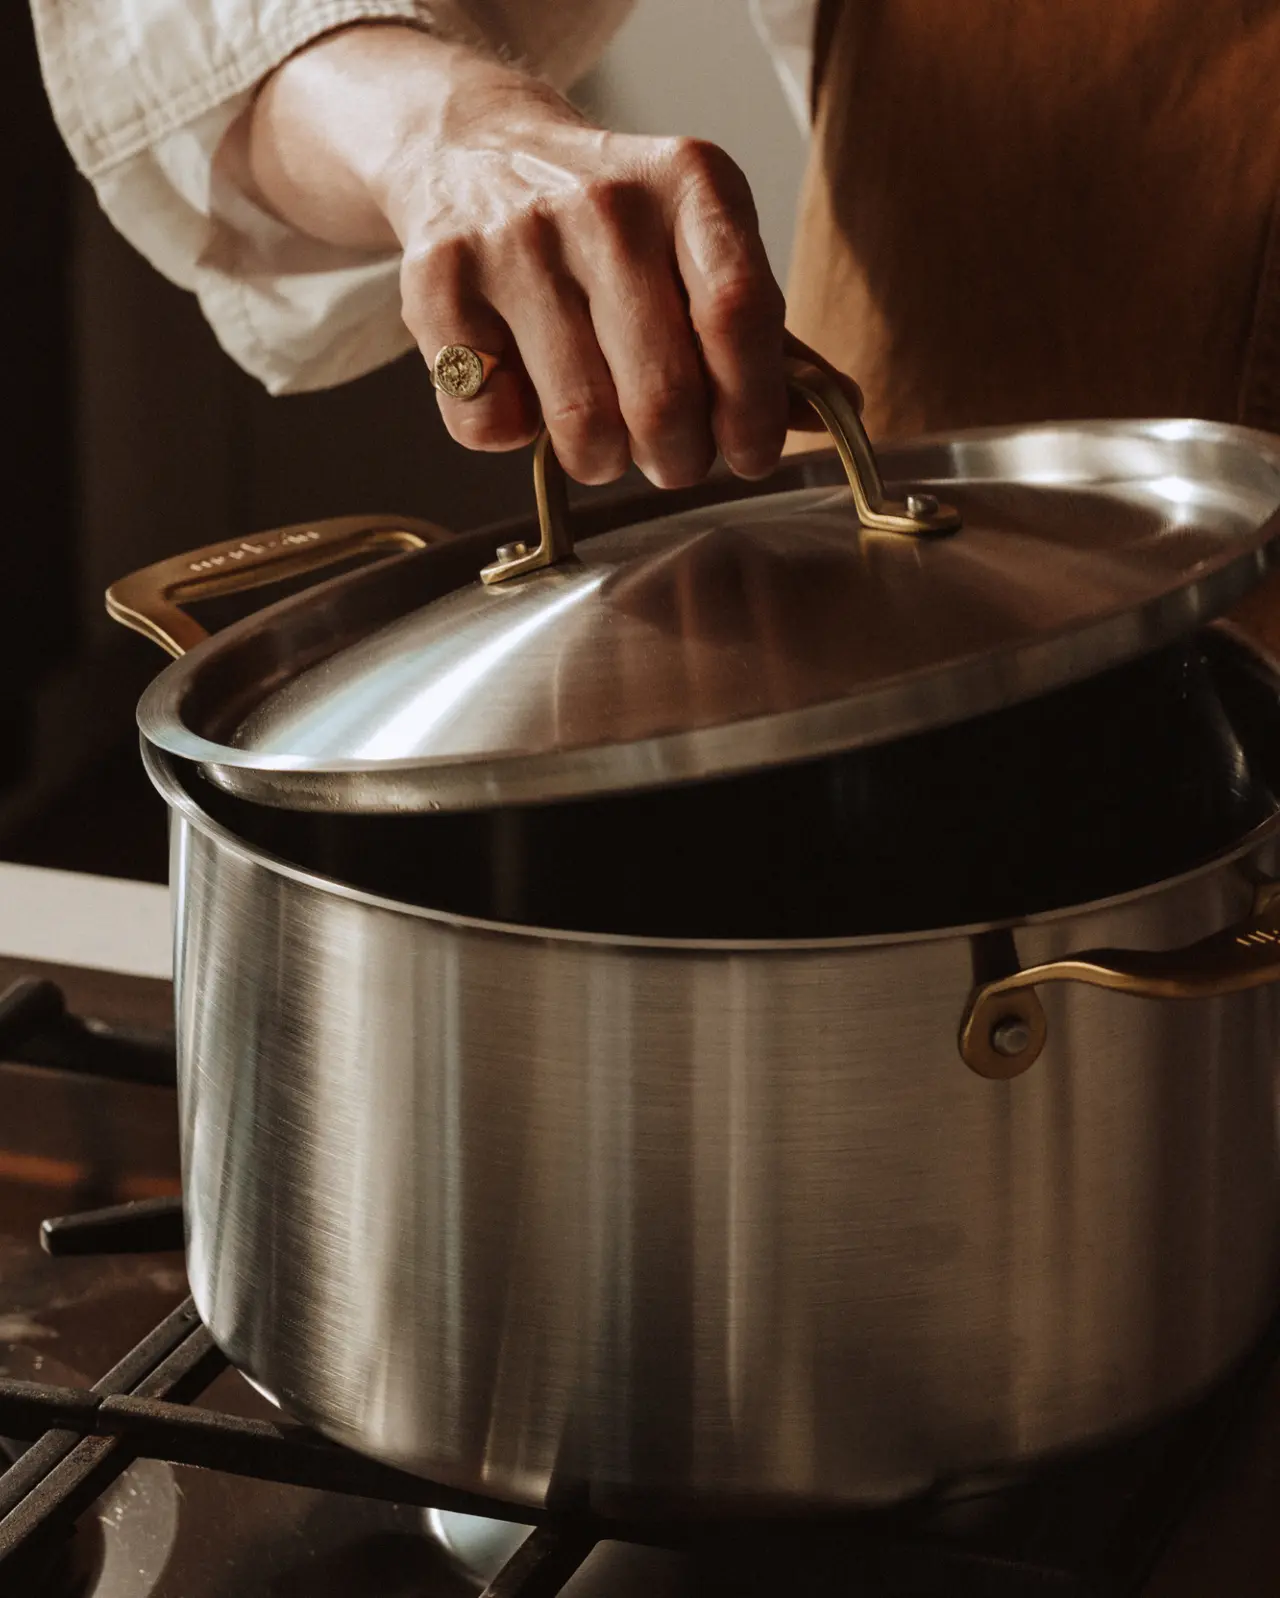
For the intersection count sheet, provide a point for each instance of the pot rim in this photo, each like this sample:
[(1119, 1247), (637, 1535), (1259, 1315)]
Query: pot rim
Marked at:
[(159, 765)]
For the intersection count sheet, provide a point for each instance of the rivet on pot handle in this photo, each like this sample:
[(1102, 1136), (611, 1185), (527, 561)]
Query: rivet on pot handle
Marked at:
[(150, 601), (1004, 1027), (918, 516)]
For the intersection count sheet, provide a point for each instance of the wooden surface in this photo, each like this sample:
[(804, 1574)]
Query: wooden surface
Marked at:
[(110, 996)]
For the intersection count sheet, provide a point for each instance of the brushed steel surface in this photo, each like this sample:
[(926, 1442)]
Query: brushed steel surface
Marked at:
[(707, 1225), (733, 637)]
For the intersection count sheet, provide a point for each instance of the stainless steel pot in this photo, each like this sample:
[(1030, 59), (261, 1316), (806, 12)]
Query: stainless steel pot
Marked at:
[(714, 1225), (688, 1223)]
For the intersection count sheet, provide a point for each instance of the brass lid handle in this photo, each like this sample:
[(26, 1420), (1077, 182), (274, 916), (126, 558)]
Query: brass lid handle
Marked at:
[(150, 601), (918, 516)]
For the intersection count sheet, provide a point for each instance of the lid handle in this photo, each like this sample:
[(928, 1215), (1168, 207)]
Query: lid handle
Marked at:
[(919, 516), (150, 601)]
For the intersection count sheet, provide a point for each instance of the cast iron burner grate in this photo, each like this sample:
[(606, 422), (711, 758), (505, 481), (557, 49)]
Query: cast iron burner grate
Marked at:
[(1092, 1527)]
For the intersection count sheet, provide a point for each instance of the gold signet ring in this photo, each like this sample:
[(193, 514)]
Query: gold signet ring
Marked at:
[(461, 372)]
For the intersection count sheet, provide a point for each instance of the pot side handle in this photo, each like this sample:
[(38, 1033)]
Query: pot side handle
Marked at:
[(1004, 1027), (918, 516), (150, 601)]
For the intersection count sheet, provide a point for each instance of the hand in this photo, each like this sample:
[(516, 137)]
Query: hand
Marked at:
[(621, 281)]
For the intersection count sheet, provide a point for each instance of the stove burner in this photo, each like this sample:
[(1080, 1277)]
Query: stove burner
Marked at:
[(119, 1551), (1090, 1527), (482, 1547), (64, 1565)]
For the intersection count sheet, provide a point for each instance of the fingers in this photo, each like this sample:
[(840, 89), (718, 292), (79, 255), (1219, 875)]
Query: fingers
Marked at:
[(517, 301), (550, 318), (735, 305), (443, 304), (621, 251)]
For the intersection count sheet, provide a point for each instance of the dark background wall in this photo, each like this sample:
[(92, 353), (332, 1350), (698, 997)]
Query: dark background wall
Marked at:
[(128, 435)]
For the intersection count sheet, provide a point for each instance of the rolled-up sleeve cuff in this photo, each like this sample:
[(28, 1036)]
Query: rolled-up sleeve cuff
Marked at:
[(294, 312), (144, 92)]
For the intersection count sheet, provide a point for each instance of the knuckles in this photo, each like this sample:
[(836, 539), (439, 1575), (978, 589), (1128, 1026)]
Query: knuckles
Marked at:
[(704, 171), (615, 203), (588, 434), (530, 235), (439, 273), (666, 409), (640, 179), (577, 420), (742, 303)]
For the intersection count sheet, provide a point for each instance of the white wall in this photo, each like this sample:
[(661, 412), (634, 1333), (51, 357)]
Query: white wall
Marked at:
[(698, 67)]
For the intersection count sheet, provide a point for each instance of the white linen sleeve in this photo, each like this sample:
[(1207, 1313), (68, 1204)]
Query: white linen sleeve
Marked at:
[(787, 27), (144, 92)]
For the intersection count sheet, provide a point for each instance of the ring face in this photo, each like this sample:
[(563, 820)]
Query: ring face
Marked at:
[(459, 372)]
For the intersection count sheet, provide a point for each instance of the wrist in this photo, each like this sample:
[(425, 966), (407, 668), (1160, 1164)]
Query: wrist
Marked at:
[(343, 133), (471, 104)]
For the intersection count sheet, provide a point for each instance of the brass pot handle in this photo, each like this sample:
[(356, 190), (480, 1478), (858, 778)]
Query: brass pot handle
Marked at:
[(918, 516), (150, 601), (1004, 1027)]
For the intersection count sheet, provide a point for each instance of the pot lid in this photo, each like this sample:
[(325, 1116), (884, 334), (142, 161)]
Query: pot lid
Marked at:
[(753, 633)]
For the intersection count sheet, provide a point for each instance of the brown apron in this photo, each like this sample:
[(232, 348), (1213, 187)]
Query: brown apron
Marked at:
[(1019, 210)]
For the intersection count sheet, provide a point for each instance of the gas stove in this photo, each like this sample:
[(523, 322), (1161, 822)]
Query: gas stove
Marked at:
[(146, 1468)]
